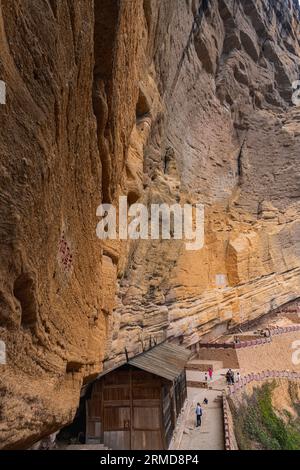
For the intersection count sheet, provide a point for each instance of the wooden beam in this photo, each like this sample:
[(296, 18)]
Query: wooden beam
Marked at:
[(131, 410), (102, 412), (162, 424), (86, 421), (174, 407)]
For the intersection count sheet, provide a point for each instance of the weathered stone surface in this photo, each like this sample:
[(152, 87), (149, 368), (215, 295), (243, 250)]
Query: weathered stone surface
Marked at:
[(224, 72), (64, 135), (163, 101)]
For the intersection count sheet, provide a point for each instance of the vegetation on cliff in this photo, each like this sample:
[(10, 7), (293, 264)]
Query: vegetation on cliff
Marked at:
[(262, 425)]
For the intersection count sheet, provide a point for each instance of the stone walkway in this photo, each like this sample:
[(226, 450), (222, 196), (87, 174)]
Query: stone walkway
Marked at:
[(210, 436), (86, 447), (218, 381)]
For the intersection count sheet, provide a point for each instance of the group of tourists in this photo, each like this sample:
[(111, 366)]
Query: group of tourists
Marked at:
[(230, 380), (230, 377)]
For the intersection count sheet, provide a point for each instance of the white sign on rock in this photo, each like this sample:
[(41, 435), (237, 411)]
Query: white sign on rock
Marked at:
[(2, 352), (2, 92), (221, 280)]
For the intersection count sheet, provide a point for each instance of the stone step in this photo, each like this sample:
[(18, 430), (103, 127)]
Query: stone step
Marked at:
[(87, 447), (203, 365), (196, 384)]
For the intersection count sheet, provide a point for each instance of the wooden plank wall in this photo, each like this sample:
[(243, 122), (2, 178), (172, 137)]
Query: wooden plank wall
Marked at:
[(125, 411)]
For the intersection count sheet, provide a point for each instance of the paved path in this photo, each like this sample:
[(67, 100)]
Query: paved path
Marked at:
[(210, 436), (218, 381)]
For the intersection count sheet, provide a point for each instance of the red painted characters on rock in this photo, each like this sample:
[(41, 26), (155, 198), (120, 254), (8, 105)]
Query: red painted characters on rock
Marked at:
[(65, 254)]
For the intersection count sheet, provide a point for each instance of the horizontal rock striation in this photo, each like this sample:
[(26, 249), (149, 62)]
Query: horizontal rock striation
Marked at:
[(226, 135)]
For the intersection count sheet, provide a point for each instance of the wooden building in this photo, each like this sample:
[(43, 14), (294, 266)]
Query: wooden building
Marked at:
[(136, 405)]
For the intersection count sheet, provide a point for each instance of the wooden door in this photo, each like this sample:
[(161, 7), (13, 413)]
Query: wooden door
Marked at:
[(93, 416), (146, 411), (116, 410)]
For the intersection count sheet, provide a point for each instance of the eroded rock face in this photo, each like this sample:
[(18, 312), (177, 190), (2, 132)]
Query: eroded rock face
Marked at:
[(223, 72), (162, 101), (64, 138)]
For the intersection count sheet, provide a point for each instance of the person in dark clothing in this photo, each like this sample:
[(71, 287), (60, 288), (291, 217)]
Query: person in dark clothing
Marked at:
[(230, 377), (198, 415)]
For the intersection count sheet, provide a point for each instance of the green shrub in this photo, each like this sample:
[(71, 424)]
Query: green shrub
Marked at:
[(257, 426)]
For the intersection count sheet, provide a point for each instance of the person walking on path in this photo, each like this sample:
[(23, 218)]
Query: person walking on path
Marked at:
[(229, 377), (210, 373), (198, 415)]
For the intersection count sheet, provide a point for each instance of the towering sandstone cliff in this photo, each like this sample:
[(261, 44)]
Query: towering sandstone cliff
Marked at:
[(162, 101)]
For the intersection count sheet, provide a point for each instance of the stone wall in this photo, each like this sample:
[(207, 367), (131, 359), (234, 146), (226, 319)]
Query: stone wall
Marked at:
[(227, 356), (276, 355)]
